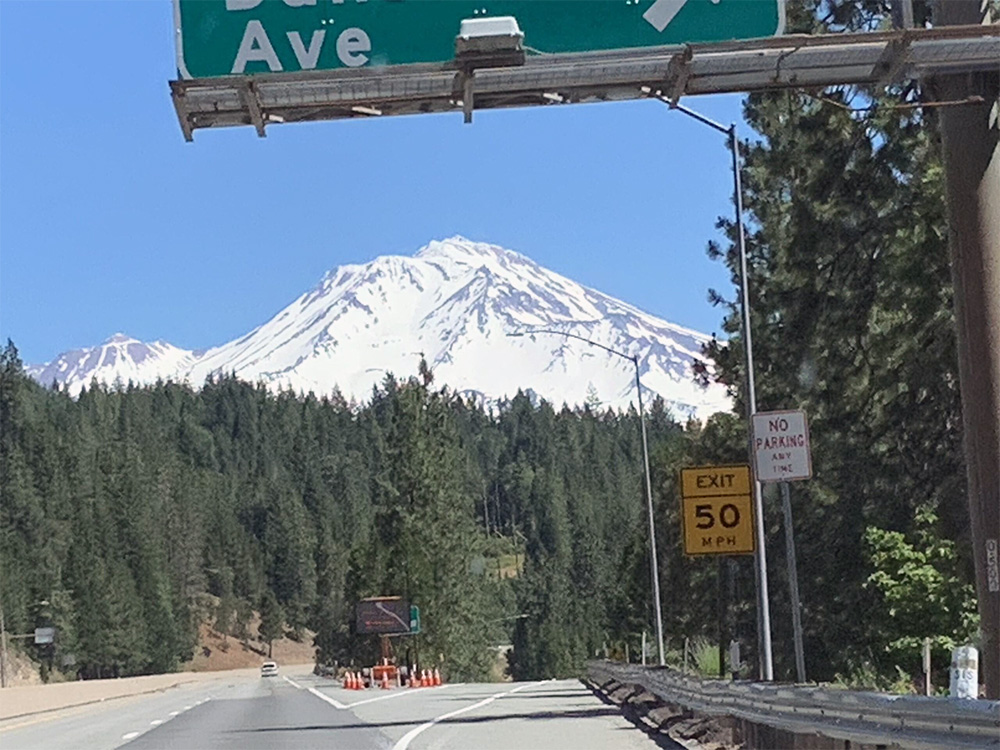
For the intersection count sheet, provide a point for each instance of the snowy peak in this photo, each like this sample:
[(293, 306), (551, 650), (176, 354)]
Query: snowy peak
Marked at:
[(454, 302), (458, 249), (121, 357)]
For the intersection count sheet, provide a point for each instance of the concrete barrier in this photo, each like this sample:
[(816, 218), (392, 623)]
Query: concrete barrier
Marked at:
[(34, 699)]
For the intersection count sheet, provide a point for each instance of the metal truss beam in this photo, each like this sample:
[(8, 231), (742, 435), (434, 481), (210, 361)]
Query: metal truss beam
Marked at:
[(546, 80)]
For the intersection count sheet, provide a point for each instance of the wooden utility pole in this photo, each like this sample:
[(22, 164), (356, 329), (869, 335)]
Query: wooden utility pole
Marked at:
[(969, 134)]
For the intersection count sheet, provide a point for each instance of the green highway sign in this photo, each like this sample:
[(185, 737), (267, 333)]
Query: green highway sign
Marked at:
[(414, 619), (226, 37)]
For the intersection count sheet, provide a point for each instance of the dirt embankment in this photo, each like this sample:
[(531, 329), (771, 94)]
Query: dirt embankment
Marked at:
[(216, 652)]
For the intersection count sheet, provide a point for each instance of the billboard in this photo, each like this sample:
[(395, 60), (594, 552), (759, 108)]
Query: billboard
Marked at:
[(384, 614)]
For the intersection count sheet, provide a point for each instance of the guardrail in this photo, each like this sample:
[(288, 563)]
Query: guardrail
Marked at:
[(907, 721)]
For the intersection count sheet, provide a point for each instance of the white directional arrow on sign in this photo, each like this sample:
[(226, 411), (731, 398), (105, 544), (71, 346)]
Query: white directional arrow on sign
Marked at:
[(662, 12), (393, 615)]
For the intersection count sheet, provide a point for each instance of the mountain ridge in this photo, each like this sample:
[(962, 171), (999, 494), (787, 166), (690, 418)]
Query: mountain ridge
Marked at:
[(454, 302)]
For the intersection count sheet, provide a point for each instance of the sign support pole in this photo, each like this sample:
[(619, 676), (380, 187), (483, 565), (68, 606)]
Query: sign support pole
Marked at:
[(793, 583), (723, 614)]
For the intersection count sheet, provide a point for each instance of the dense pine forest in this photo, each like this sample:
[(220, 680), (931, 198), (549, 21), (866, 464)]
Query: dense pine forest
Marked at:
[(122, 506), (525, 524)]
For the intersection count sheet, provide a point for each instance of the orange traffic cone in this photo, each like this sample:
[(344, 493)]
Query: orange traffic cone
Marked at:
[(437, 676), (346, 676), (385, 681), (414, 680), (425, 679)]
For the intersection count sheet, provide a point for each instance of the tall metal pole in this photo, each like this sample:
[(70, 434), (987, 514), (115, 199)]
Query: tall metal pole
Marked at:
[(653, 556), (760, 555), (655, 569), (793, 583)]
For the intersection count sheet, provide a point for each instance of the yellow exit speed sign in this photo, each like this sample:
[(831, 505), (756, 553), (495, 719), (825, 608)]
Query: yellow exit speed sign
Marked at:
[(717, 510)]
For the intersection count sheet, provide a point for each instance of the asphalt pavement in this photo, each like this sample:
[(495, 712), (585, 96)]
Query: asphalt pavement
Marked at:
[(301, 711)]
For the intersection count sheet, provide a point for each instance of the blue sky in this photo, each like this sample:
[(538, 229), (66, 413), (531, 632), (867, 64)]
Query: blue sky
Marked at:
[(110, 222)]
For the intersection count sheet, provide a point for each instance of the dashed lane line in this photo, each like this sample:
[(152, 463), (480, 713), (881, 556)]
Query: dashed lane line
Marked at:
[(156, 722), (406, 739), (291, 682)]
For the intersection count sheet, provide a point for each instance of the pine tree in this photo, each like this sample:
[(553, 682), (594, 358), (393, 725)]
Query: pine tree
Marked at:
[(272, 620), (852, 321)]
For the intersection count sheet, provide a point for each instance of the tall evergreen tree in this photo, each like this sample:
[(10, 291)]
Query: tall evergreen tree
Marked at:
[(852, 321)]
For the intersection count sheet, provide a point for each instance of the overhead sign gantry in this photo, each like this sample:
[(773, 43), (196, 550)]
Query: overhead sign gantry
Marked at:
[(257, 98)]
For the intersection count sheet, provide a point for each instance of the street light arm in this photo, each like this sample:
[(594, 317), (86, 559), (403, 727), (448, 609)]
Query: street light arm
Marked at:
[(630, 357), (696, 115)]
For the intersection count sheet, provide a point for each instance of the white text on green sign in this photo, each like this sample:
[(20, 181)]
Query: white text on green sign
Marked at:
[(225, 37)]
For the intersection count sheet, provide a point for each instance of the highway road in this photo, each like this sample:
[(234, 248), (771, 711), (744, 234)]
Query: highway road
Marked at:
[(299, 710)]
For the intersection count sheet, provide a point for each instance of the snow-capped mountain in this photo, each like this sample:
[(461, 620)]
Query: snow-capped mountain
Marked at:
[(454, 302), (121, 357)]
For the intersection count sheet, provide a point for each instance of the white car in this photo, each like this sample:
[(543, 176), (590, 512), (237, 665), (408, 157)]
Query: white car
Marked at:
[(269, 669)]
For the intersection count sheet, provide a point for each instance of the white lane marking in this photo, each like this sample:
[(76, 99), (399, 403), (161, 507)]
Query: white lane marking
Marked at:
[(327, 698), (130, 736), (406, 739), (155, 722), (291, 682), (187, 708), (174, 713), (400, 694)]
